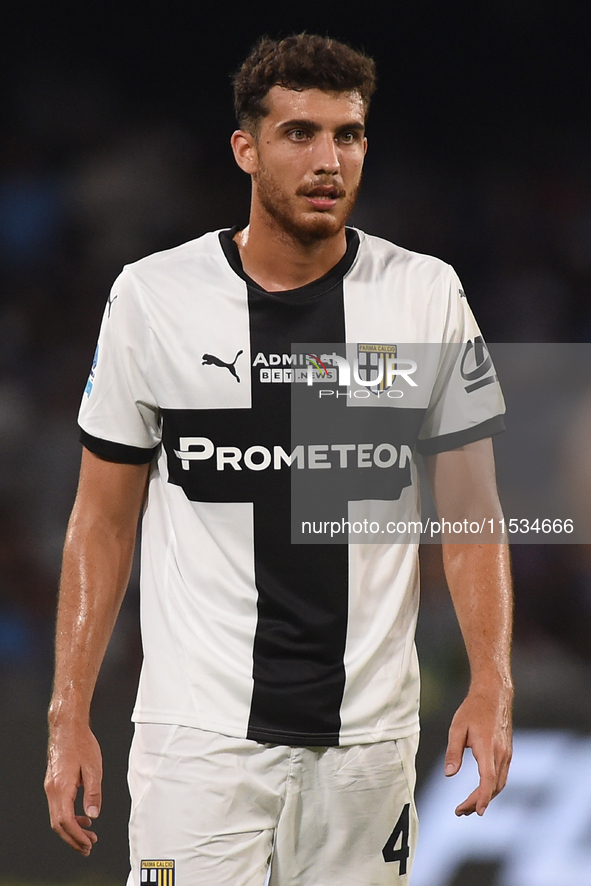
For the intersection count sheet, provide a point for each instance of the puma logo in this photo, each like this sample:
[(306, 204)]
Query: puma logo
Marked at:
[(212, 360)]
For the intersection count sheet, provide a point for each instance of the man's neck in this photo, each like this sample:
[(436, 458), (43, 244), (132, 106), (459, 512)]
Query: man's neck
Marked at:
[(277, 261)]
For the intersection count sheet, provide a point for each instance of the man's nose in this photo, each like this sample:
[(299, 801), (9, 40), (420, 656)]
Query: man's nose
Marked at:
[(326, 158)]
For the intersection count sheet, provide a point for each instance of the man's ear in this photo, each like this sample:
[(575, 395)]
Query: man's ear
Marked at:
[(245, 151)]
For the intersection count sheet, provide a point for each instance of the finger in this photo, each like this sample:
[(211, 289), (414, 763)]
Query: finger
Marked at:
[(477, 801), (64, 821), (503, 771), (469, 804), (484, 796), (480, 798), (92, 795), (61, 808), (73, 832), (85, 822), (83, 838), (78, 846), (455, 749), (486, 789)]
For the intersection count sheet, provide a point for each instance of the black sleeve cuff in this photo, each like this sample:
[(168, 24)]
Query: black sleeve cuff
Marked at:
[(488, 428), (119, 452)]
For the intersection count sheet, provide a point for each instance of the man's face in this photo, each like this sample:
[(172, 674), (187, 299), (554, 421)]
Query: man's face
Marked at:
[(308, 160)]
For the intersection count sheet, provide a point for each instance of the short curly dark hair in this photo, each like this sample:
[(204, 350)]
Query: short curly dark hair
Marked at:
[(302, 61)]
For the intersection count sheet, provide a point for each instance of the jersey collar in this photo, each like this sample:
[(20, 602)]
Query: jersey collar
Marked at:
[(302, 293)]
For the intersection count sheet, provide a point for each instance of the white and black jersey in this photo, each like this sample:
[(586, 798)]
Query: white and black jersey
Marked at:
[(245, 633)]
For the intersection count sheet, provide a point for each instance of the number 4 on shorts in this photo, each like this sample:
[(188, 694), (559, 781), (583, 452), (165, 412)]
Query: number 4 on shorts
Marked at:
[(400, 832)]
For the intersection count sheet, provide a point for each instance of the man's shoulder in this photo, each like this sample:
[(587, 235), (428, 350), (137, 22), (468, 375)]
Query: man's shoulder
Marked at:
[(203, 247), (391, 256)]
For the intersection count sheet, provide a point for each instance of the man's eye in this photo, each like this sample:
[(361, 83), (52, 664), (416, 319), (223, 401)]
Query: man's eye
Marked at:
[(347, 137), (298, 134)]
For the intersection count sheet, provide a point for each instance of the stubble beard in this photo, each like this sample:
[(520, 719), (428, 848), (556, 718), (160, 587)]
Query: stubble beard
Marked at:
[(307, 229)]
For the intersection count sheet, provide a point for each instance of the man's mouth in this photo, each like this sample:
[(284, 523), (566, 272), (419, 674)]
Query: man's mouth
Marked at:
[(323, 196)]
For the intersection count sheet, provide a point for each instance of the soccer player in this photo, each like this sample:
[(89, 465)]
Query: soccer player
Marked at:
[(276, 718)]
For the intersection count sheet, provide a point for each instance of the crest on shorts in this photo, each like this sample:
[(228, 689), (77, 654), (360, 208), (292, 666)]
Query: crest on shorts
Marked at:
[(372, 363), (157, 872)]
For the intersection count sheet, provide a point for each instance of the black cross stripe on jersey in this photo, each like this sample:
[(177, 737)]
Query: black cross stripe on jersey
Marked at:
[(299, 646)]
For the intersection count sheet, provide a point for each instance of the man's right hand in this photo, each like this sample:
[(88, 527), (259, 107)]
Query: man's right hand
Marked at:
[(96, 566), (74, 760)]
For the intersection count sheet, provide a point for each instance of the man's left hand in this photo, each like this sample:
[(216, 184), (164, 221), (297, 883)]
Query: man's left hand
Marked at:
[(483, 724)]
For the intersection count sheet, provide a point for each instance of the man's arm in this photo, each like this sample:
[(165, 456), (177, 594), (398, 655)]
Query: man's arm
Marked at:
[(479, 579), (96, 566)]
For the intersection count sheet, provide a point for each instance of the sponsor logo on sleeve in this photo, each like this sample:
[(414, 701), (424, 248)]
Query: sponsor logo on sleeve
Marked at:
[(90, 381), (476, 366)]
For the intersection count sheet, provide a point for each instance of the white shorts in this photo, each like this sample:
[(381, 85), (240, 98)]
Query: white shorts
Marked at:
[(218, 811)]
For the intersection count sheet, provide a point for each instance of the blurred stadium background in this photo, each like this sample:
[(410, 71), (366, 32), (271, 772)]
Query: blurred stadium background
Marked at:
[(115, 124)]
